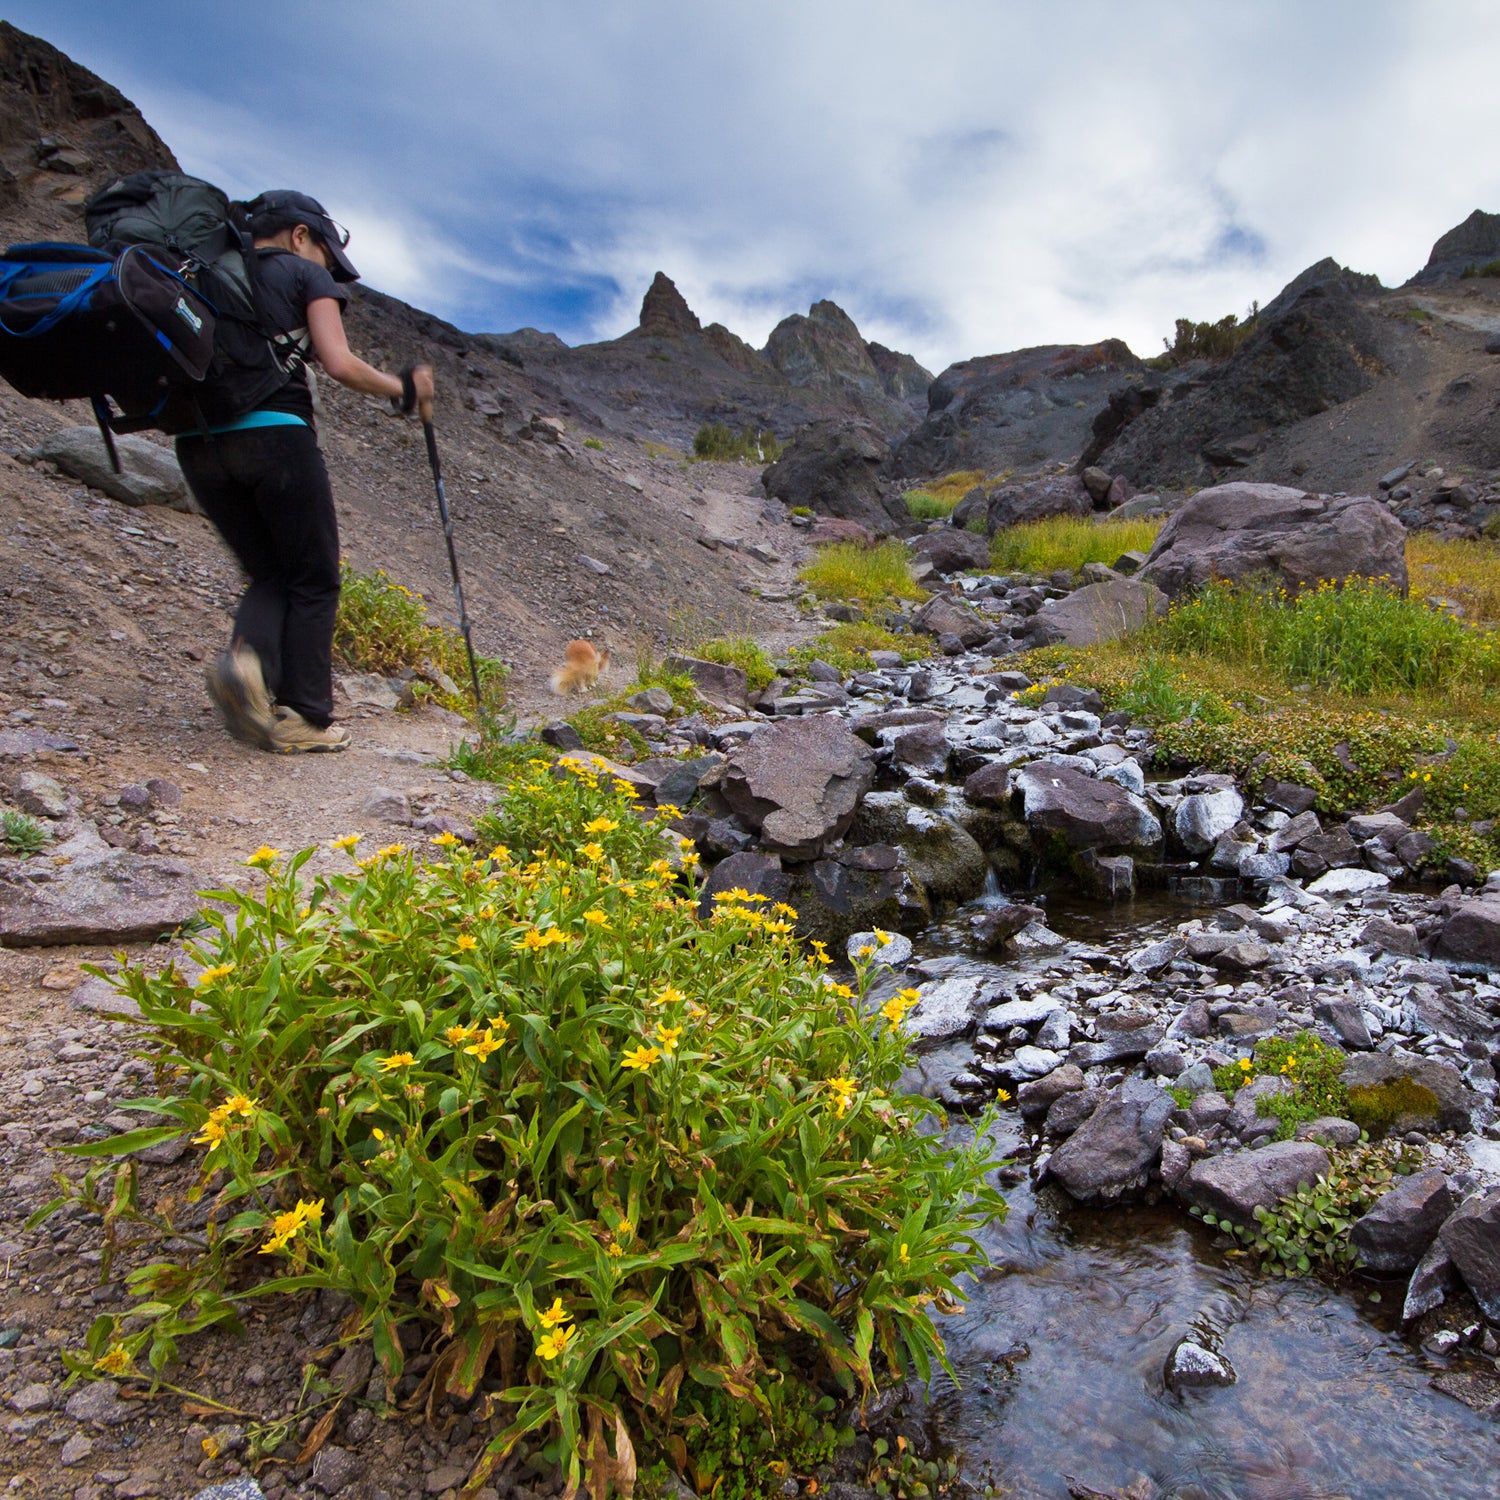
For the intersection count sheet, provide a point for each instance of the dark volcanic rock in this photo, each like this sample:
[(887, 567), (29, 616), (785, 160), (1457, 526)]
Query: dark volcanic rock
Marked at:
[(1036, 499), (1319, 350), (1102, 612), (1083, 813), (942, 616), (1112, 1152), (1471, 243), (1234, 531), (1471, 1236), (1239, 1182), (1472, 933), (824, 349), (664, 311), (833, 467), (1396, 1232), (857, 890), (1014, 410), (953, 551), (798, 783), (1321, 273)]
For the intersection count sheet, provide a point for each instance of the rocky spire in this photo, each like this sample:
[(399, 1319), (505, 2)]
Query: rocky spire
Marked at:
[(664, 311)]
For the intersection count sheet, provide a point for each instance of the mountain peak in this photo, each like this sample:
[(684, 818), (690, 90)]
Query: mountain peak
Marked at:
[(664, 310)]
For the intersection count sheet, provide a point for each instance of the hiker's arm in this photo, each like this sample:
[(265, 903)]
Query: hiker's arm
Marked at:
[(326, 324)]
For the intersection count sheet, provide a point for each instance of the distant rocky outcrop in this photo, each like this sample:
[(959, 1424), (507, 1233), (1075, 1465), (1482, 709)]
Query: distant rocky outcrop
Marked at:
[(1472, 243), (665, 313), (824, 349), (1321, 273), (1016, 410), (1316, 350)]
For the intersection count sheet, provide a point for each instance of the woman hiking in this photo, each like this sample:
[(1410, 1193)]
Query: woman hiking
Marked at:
[(261, 481)]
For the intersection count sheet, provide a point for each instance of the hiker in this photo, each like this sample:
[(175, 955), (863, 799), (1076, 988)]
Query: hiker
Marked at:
[(261, 480)]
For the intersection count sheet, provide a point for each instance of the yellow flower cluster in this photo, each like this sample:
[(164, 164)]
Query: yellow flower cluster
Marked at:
[(285, 1227), (894, 1010), (216, 1126), (843, 1091), (210, 976)]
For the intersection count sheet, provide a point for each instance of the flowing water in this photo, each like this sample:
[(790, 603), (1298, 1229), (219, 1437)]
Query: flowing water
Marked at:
[(1061, 1347)]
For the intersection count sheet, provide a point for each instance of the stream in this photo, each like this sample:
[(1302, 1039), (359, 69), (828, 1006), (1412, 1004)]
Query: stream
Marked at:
[(1061, 1347)]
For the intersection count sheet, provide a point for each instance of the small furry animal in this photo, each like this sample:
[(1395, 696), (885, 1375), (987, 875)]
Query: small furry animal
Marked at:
[(583, 661)]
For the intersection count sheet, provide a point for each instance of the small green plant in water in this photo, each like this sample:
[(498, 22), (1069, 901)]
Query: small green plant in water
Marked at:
[(897, 1473), (1308, 1233), (20, 833)]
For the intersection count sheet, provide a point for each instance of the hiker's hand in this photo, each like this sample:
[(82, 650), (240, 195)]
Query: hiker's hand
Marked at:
[(421, 377)]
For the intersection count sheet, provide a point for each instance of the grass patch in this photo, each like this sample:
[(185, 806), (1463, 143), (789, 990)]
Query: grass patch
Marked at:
[(1067, 542), (847, 647), (1468, 572), (923, 505), (593, 443), (595, 1157), (742, 652), (717, 443), (869, 575), (382, 627), (1360, 639)]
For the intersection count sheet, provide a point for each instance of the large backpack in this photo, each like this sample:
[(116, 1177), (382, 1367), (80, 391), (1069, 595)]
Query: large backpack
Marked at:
[(156, 321)]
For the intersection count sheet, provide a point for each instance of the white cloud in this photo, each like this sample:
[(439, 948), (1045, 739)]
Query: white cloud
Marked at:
[(963, 177)]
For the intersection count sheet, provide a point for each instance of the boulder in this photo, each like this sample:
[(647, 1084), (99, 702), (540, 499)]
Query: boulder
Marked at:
[(723, 685), (923, 747), (1236, 1184), (797, 783), (1238, 531), (1040, 1094), (833, 467), (941, 616), (760, 874), (1471, 1236), (1112, 1153), (1395, 1234), (1192, 1366), (1404, 1093), (942, 856), (952, 551), (1203, 818), (1075, 810), (1036, 499), (150, 473), (1472, 933), (1101, 612), (854, 891)]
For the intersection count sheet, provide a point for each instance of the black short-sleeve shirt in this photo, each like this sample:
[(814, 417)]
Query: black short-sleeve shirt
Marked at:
[(287, 284)]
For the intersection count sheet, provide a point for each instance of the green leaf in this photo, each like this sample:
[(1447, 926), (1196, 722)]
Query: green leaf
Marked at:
[(123, 1145)]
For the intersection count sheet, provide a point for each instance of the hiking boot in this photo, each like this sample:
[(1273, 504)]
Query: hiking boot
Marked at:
[(238, 688), (291, 734)]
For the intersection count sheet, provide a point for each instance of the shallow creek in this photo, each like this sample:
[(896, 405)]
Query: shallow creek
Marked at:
[(1060, 1350)]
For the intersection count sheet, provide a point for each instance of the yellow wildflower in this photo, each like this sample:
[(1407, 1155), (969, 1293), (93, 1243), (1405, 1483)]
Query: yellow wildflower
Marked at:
[(239, 1104), (866, 950), (535, 940), (209, 976), (397, 1061), (783, 910), (466, 943), (640, 1058), (689, 861), (626, 1229), (592, 851), (904, 1256), (499, 855), (843, 1090), (115, 1361), (550, 1345), (668, 1036), (1003, 1095), (738, 893), (600, 825), (615, 1251), (486, 911), (820, 953), (555, 1315), (596, 918), (488, 1042), (894, 1010), (264, 857), (835, 988), (444, 839), (377, 1132), (456, 1036), (348, 841), (669, 996), (881, 937), (212, 1135)]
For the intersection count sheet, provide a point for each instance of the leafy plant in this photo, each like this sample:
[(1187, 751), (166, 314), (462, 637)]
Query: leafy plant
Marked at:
[(1308, 1232), (1311, 1068), (1068, 542), (742, 652), (1216, 341), (20, 833), (612, 1158), (382, 627), (847, 646), (592, 442), (1162, 694), (714, 441), (877, 574), (897, 1473)]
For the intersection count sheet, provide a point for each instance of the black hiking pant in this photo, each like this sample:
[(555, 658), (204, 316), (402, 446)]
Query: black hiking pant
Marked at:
[(266, 491)]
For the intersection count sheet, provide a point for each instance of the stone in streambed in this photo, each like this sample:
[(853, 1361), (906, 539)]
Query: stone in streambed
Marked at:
[(1191, 1367), (1236, 1184), (1471, 1236), (1112, 1153), (1397, 1231)]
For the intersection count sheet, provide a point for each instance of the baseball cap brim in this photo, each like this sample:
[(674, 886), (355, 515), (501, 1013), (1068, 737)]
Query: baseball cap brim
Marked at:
[(318, 219)]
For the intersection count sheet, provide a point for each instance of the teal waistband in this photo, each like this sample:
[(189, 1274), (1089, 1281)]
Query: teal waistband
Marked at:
[(259, 419)]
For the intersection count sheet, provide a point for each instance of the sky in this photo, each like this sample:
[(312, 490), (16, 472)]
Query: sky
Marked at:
[(962, 177)]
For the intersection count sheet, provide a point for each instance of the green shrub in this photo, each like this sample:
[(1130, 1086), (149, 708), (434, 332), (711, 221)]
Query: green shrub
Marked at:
[(1403, 1103), (382, 627), (870, 575), (742, 652), (611, 1159), (1067, 542), (1489, 268), (714, 441), (1216, 341), (20, 833), (923, 505), (1312, 1069), (1162, 694), (1308, 1232), (593, 443), (1362, 638)]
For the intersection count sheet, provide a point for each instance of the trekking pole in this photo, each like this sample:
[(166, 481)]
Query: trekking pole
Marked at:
[(458, 588)]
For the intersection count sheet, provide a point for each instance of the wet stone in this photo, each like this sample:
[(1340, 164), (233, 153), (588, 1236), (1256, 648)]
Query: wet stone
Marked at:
[(1191, 1366)]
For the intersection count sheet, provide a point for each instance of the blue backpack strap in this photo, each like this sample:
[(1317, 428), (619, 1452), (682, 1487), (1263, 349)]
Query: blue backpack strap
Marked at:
[(66, 305)]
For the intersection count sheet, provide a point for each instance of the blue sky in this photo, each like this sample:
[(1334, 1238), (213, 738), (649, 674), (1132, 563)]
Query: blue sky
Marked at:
[(962, 176)]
